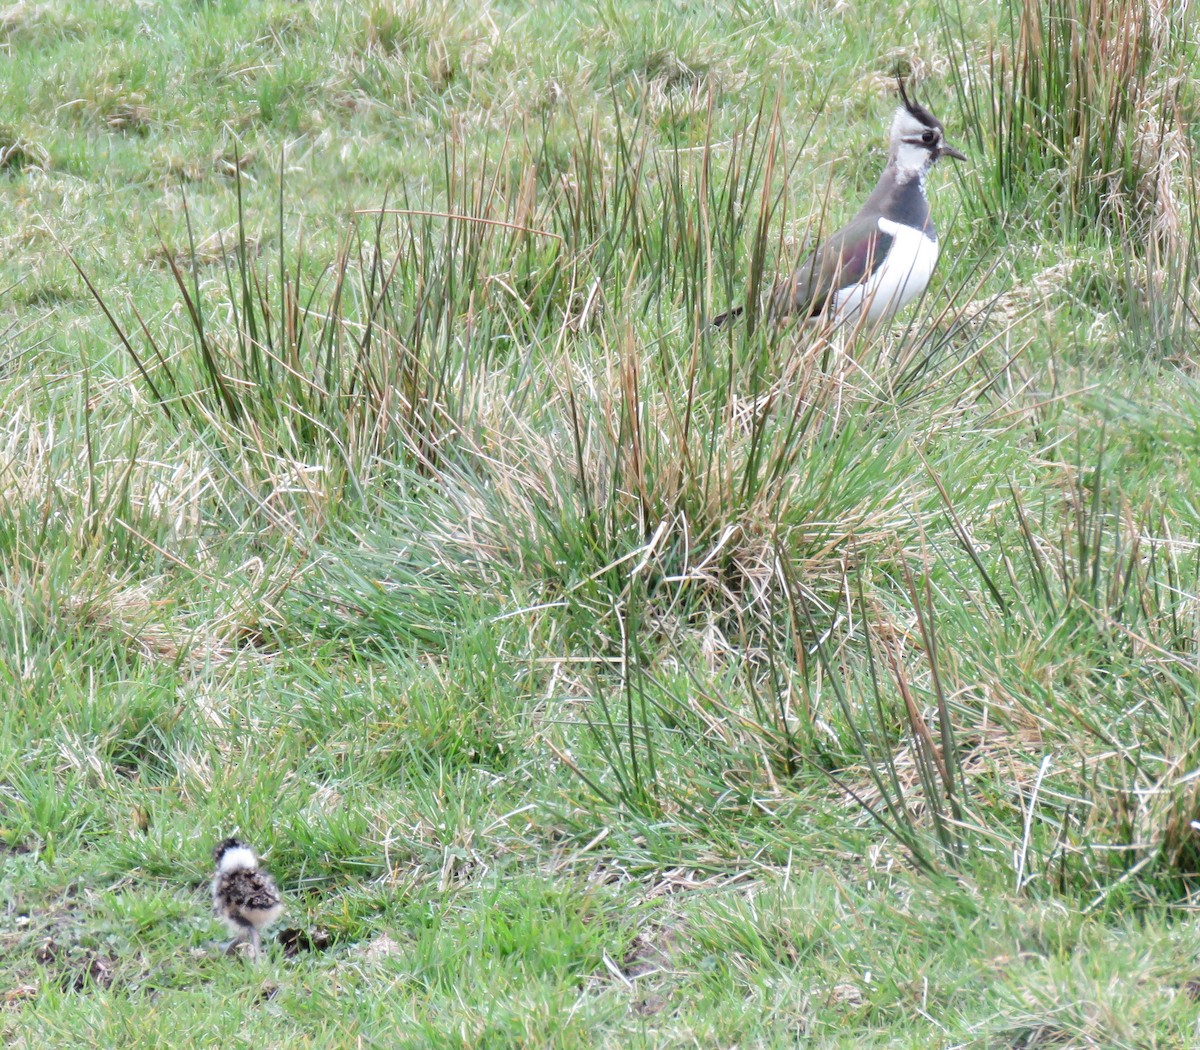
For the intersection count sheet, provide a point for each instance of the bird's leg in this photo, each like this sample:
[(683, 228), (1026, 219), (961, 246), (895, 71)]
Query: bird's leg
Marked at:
[(246, 933), (255, 944)]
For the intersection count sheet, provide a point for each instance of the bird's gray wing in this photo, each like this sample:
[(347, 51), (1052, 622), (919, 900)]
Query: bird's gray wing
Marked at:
[(847, 258)]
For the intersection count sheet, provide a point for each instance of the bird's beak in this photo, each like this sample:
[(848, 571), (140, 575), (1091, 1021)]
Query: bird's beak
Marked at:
[(950, 151)]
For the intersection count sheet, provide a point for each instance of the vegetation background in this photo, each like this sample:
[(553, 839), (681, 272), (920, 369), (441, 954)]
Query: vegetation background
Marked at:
[(372, 486)]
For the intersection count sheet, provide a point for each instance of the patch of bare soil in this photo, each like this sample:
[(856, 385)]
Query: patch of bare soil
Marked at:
[(378, 948), (49, 937), (294, 941), (79, 969), (652, 952)]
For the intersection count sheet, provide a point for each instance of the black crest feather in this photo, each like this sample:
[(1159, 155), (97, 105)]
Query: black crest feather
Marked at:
[(915, 108)]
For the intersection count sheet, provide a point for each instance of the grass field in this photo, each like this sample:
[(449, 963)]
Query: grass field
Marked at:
[(372, 487)]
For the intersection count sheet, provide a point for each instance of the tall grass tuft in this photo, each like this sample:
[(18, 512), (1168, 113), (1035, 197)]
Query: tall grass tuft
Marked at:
[(1083, 95), (1079, 119), (518, 384)]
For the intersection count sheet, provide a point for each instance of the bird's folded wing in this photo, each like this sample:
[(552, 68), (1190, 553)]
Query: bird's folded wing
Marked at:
[(848, 258)]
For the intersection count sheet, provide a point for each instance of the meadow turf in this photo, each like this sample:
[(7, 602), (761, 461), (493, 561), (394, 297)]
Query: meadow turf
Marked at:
[(373, 487)]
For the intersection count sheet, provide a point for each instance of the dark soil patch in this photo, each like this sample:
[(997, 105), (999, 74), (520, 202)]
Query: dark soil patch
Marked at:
[(94, 971), (295, 941), (79, 968), (651, 952)]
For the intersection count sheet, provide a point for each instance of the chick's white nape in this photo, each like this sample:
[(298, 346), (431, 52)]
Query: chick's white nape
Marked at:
[(245, 896), (236, 856)]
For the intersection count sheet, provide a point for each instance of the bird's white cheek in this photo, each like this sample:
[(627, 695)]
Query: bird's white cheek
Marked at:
[(911, 158)]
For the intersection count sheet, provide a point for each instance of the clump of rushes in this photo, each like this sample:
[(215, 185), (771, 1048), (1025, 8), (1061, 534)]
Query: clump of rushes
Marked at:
[(1083, 94), (1079, 121), (521, 380)]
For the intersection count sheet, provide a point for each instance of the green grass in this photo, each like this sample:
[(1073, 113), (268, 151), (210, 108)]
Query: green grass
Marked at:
[(372, 487)]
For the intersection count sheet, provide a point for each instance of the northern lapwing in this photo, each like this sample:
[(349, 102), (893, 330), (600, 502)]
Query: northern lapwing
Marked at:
[(883, 257), (244, 895)]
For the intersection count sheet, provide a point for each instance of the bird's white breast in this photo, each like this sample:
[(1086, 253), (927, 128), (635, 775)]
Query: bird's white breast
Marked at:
[(903, 275)]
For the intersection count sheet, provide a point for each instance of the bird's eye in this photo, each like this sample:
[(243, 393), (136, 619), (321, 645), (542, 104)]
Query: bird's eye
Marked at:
[(928, 138)]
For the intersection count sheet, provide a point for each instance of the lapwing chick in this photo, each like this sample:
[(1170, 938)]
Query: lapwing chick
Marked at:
[(883, 258), (244, 895)]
